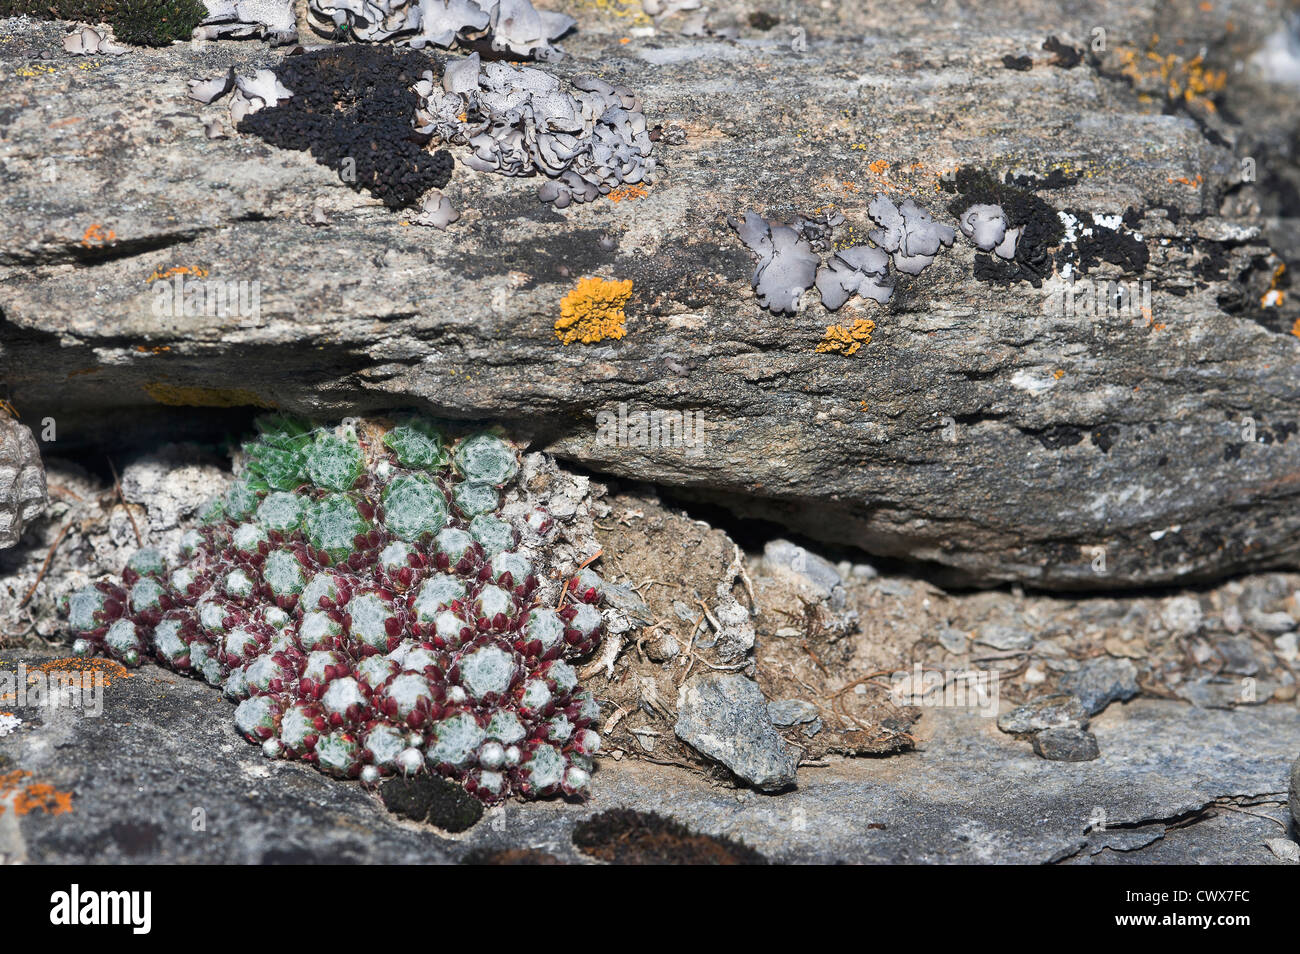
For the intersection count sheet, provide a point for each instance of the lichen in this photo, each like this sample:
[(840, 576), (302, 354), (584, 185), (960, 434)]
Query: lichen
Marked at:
[(513, 26), (847, 341), (363, 621), (593, 311), (587, 142), (352, 108)]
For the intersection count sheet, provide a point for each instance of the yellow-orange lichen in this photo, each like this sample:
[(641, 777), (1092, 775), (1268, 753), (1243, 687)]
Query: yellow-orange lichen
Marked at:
[(25, 797), (1177, 77), (97, 235), (104, 670), (175, 270), (593, 311), (846, 341), (629, 193), (1295, 329)]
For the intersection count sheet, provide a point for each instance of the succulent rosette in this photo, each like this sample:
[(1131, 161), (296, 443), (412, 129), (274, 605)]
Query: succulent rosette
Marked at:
[(358, 592)]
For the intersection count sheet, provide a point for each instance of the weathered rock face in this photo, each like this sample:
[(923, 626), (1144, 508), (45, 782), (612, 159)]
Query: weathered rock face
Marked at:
[(982, 427), (22, 480), (150, 769)]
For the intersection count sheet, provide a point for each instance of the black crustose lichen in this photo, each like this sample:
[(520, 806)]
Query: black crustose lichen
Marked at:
[(352, 108), (1041, 227)]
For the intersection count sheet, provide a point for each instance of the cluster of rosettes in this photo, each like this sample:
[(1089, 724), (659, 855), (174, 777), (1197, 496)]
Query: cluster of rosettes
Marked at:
[(359, 594)]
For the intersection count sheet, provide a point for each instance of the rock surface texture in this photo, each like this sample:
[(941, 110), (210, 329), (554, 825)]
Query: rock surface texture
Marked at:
[(984, 428), (163, 754)]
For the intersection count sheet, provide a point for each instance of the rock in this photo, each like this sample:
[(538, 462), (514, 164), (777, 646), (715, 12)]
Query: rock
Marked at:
[(1287, 647), (164, 746), (1005, 637), (1100, 682), (953, 640), (1182, 615), (816, 574), (173, 483), (723, 716), (1046, 473), (1271, 624), (791, 712), (1238, 654), (1066, 745), (1284, 848), (1061, 711), (1295, 793), (22, 479)]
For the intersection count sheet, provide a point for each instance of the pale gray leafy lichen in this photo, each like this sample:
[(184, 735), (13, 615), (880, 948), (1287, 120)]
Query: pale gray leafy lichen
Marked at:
[(785, 264), (587, 141), (87, 41), (908, 232), (238, 19), (987, 227), (859, 270), (514, 26)]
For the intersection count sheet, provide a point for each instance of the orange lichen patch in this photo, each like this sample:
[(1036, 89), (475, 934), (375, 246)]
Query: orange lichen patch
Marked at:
[(879, 167), (176, 270), (1179, 78), (1190, 183), (25, 797), (1275, 296), (156, 349), (78, 669), (846, 341), (629, 193), (176, 395), (1058, 373), (593, 311), (624, 39), (9, 409), (106, 668), (1295, 329), (97, 235)]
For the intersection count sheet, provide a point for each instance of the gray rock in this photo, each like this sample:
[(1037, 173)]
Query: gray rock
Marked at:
[(1023, 490), (783, 558), (723, 715), (791, 712), (1272, 624), (1238, 654), (1099, 682), (1212, 692), (1066, 745), (1063, 711), (165, 747), (953, 640), (1295, 794), (1005, 637), (22, 480)]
